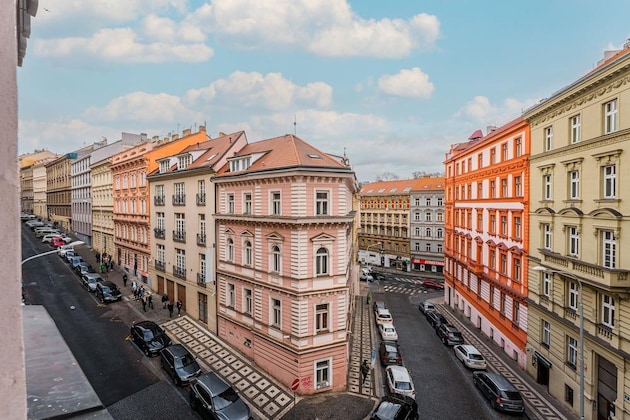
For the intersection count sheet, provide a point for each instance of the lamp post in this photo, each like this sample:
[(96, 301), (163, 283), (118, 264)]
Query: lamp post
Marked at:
[(54, 251), (581, 315), (370, 246)]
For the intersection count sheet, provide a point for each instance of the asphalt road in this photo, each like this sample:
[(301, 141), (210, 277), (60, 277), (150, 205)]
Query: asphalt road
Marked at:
[(444, 388), (130, 385)]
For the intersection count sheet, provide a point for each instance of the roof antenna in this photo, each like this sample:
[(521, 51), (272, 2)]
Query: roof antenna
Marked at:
[(294, 125)]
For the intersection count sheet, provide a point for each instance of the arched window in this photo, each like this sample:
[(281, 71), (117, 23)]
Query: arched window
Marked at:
[(247, 253), (230, 250), (275, 258), (427, 232), (439, 232), (321, 261)]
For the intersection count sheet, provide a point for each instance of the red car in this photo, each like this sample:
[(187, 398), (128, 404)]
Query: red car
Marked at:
[(432, 284), (56, 242)]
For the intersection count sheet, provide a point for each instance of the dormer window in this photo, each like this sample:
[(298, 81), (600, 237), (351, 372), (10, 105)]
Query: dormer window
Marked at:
[(240, 164), (163, 166), (183, 162)]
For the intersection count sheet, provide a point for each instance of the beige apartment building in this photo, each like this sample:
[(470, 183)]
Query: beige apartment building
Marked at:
[(39, 188), (183, 247), (58, 192), (102, 206), (27, 163), (579, 232)]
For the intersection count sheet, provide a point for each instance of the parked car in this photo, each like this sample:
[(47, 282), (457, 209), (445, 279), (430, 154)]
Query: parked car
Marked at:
[(388, 332), (76, 260), (366, 277), (90, 280), (214, 398), (500, 391), (450, 335), (378, 276), (399, 381), (107, 291), (470, 356), (426, 307), (149, 337), (432, 284), (378, 304), (41, 232), (32, 224), (180, 365), (383, 315), (57, 242), (436, 319), (396, 407), (61, 251), (46, 239), (69, 255), (84, 268), (389, 353)]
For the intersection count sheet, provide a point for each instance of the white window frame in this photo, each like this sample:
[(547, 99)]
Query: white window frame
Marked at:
[(275, 312), (247, 203), (547, 236), (517, 227), (547, 187), (574, 122), (160, 220), (323, 373), (229, 249), (275, 257), (609, 249), (322, 261), (276, 203), (574, 185), (574, 241), (161, 252), (572, 298), (180, 256), (610, 117), (230, 296), (247, 253), (230, 203), (322, 317), (546, 284), (322, 202), (608, 311), (247, 301), (572, 351), (546, 333), (609, 173), (548, 138)]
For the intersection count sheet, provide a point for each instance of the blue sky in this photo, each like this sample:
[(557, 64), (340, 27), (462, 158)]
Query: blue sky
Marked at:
[(393, 83)]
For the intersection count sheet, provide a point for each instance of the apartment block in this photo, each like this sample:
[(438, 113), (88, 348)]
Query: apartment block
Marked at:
[(426, 200), (486, 210), (284, 221), (579, 282)]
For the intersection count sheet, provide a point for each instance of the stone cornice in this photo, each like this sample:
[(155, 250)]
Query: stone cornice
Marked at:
[(581, 149)]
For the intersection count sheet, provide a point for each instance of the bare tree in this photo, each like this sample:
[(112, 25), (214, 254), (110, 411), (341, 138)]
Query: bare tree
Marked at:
[(423, 174), (387, 176)]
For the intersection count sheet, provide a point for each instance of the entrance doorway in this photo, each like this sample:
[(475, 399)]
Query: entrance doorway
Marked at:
[(542, 369), (606, 388)]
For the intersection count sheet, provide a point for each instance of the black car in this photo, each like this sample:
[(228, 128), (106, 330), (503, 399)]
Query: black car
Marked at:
[(107, 291), (396, 407), (378, 276), (450, 335), (149, 337), (389, 353), (436, 319), (499, 390), (179, 364), (214, 398)]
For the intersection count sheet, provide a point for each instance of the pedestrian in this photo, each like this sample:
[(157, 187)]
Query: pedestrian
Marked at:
[(144, 304), (111, 264), (141, 291), (368, 298), (134, 287), (170, 308), (365, 369), (179, 307), (125, 280), (150, 301), (98, 257), (164, 300)]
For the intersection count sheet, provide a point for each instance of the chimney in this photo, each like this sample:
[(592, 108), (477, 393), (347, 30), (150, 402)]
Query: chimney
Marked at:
[(490, 129), (174, 137), (221, 134), (186, 132), (202, 128), (155, 138), (627, 44)]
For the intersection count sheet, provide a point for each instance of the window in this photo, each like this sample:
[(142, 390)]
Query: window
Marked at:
[(247, 203), (479, 161), (247, 301), (321, 317), (160, 253), (230, 299), (518, 147), (439, 234), (516, 309), (427, 232), (493, 223), (321, 262), (609, 248), (417, 231), (504, 152), (427, 247), (546, 334), (321, 203), (568, 394), (181, 259), (608, 311), (322, 373), (518, 186), (571, 352), (493, 156), (574, 185), (610, 181), (546, 285), (275, 203), (610, 117), (202, 268), (574, 241), (493, 189), (440, 202), (503, 263), (160, 221), (230, 250), (504, 188), (416, 216), (276, 313), (439, 217), (479, 189), (504, 225), (427, 216), (547, 235), (548, 138), (517, 227), (247, 253), (573, 296), (164, 166), (184, 161), (574, 123), (275, 258), (427, 201), (230, 203), (517, 270), (547, 187), (493, 259)]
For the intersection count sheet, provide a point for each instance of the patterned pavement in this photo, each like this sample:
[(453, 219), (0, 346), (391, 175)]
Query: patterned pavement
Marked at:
[(361, 348)]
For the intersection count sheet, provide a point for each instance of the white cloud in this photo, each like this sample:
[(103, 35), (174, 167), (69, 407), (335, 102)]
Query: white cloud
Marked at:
[(104, 11), (408, 82), (255, 90)]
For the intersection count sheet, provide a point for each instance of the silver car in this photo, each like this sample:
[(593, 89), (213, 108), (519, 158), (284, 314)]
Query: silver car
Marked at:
[(89, 281)]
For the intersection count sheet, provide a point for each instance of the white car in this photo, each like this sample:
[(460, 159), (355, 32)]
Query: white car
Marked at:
[(399, 381), (383, 316), (63, 249), (426, 307), (48, 238), (470, 356), (388, 332)]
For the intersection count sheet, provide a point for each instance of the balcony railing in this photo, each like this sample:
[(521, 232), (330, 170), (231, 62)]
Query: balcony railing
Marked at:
[(201, 279), (179, 272), (159, 233), (604, 331), (201, 239), (159, 265), (158, 200), (201, 199), (179, 236), (179, 199)]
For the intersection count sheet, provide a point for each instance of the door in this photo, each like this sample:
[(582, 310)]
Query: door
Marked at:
[(542, 374), (181, 294), (160, 285), (170, 289)]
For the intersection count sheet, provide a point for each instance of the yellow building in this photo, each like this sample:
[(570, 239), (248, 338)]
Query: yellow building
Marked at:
[(579, 232)]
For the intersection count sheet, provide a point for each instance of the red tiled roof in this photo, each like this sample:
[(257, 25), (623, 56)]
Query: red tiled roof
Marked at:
[(401, 186)]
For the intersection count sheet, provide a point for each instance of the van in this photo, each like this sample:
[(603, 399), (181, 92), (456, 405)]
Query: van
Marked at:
[(499, 390)]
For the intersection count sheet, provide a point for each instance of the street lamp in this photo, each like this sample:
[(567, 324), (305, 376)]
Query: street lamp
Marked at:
[(581, 315), (370, 246), (54, 251)]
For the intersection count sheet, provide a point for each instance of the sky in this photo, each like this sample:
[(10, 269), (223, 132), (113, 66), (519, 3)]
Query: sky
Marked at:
[(392, 84)]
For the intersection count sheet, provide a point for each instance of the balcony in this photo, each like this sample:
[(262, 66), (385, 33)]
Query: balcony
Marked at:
[(158, 200), (201, 199), (475, 267), (159, 265), (179, 272), (179, 236), (179, 199), (593, 273), (201, 239), (604, 331), (201, 279), (159, 233)]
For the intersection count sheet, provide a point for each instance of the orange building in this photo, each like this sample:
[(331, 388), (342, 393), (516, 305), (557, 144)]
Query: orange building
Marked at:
[(486, 223)]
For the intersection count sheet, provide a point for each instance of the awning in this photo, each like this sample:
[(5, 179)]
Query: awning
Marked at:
[(542, 359)]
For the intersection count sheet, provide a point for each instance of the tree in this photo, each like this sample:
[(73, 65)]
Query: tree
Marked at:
[(423, 174), (387, 176)]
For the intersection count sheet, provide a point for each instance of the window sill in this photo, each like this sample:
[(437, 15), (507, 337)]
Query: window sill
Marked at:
[(545, 345), (570, 365), (607, 200)]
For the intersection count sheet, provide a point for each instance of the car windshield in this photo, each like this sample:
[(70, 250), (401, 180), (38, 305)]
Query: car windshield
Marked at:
[(473, 356), (225, 398), (148, 335), (405, 386), (184, 361), (512, 395), (455, 335)]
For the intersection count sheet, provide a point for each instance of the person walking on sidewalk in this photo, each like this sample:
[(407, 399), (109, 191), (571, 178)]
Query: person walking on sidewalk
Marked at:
[(150, 301), (179, 307), (125, 280), (164, 300), (144, 303), (365, 369), (170, 307)]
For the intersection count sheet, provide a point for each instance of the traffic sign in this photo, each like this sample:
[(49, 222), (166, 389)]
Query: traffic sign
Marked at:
[(295, 384)]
